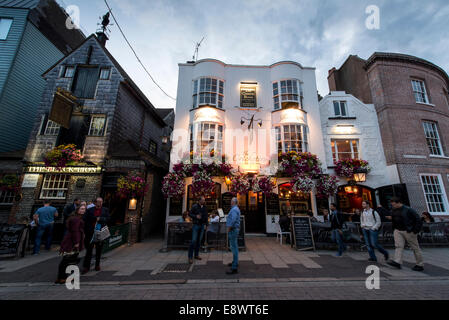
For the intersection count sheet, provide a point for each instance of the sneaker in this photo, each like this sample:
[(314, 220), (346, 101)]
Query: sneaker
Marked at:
[(232, 271), (372, 260), (198, 258), (418, 268), (36, 254), (339, 255), (394, 264), (230, 264)]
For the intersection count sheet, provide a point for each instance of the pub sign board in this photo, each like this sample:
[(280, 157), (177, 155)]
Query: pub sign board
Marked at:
[(248, 97), (302, 233), (61, 110)]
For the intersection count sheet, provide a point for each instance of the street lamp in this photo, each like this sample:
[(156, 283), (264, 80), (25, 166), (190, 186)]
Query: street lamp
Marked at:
[(132, 204), (360, 175)]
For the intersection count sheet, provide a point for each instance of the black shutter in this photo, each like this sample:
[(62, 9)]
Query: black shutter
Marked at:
[(85, 82)]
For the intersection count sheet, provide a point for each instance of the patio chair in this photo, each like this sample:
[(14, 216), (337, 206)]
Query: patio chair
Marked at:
[(280, 233)]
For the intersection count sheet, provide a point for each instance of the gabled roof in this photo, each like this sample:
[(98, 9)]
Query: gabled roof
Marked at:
[(127, 79), (22, 4), (163, 112)]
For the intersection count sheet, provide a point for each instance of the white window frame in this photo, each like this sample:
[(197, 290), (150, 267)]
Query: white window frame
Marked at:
[(219, 97), (342, 105), (280, 137), (417, 85), (4, 195), (5, 37), (351, 145), (278, 97), (63, 179), (51, 128), (198, 142), (92, 121), (443, 193), (435, 138)]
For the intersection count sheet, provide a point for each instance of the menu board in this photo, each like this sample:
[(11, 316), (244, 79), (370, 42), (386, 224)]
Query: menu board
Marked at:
[(273, 208), (10, 236), (175, 207), (302, 233), (226, 202)]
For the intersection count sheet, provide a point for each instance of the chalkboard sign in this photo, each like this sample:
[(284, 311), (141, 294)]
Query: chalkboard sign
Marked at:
[(273, 208), (10, 238), (179, 234), (302, 233), (241, 237), (226, 202)]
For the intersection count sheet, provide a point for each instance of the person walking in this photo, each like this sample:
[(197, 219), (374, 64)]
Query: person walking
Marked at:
[(45, 220), (72, 244), (336, 219), (233, 225), (406, 225), (92, 217), (68, 210), (370, 222), (199, 219)]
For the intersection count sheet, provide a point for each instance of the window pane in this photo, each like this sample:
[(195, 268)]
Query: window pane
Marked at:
[(5, 26)]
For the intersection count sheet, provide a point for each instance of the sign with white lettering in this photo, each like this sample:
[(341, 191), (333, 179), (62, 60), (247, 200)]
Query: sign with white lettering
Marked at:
[(37, 169), (30, 180), (248, 97)]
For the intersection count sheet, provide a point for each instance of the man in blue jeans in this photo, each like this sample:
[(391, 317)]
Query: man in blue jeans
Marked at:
[(45, 219), (233, 225), (336, 219), (199, 219)]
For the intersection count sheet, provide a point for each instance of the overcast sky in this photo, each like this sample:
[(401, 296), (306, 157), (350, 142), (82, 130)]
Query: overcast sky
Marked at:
[(315, 33)]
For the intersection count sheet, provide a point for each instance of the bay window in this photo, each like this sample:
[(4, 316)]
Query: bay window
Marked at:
[(287, 93), (291, 137), (206, 139), (208, 92)]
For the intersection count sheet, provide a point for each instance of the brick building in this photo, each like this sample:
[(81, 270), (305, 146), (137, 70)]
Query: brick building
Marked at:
[(115, 126), (411, 98)]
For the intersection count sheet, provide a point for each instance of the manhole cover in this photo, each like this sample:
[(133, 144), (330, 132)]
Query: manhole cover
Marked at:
[(177, 267)]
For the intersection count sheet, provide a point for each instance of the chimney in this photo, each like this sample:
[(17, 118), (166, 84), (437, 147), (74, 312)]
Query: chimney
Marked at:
[(102, 38), (332, 79)]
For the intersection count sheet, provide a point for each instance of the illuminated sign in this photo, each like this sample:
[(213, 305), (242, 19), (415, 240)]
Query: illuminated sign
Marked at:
[(248, 96), (37, 169)]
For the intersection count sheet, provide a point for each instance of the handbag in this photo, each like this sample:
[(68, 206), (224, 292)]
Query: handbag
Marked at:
[(101, 234)]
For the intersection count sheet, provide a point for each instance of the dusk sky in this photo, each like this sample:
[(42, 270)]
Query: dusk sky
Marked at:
[(318, 34)]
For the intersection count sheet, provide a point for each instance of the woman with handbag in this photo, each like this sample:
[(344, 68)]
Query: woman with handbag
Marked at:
[(72, 244)]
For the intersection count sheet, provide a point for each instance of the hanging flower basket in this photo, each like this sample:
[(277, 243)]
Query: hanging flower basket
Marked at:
[(202, 184), (299, 163), (212, 169), (347, 167), (240, 184), (131, 186), (173, 185), (303, 184), (10, 183), (326, 186), (264, 185), (62, 156)]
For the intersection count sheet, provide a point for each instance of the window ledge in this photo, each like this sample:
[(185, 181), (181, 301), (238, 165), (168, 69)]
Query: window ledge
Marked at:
[(426, 104), (438, 157), (207, 106), (342, 118)]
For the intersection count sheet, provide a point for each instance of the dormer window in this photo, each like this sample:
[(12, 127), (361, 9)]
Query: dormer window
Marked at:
[(340, 109), (287, 93), (208, 92)]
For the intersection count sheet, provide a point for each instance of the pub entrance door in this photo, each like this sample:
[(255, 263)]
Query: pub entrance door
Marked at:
[(252, 206)]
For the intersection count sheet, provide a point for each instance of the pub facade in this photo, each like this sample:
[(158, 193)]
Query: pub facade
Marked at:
[(92, 110), (244, 117)]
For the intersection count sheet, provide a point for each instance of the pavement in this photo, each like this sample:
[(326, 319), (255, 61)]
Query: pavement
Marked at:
[(267, 271)]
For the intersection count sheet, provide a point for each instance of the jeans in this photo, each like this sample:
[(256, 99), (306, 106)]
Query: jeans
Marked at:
[(234, 248), (371, 240), (65, 262), (39, 233), (337, 237), (89, 250), (197, 237)]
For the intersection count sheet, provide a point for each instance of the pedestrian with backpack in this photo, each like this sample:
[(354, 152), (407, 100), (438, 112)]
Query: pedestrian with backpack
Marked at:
[(370, 222)]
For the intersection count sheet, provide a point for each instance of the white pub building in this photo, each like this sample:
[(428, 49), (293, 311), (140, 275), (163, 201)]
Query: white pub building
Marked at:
[(247, 115)]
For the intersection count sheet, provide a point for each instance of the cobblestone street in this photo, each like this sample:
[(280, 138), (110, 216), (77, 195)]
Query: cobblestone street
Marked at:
[(267, 271)]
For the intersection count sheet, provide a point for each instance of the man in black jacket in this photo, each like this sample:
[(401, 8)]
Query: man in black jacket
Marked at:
[(94, 215), (337, 220), (406, 225), (199, 219)]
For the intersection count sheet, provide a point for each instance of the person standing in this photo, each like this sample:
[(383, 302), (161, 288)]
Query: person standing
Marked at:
[(72, 244), (370, 223), (383, 213), (336, 219), (94, 215), (406, 225), (45, 219), (233, 225), (69, 209), (199, 219)]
